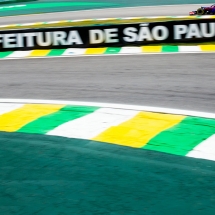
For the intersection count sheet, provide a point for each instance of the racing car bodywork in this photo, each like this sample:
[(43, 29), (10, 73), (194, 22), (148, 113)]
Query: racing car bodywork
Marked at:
[(204, 11)]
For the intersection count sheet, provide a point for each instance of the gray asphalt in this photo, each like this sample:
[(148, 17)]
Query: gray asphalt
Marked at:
[(184, 81), (102, 13), (174, 81)]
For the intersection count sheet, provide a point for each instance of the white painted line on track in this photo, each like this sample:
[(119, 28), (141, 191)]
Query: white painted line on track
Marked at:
[(111, 105)]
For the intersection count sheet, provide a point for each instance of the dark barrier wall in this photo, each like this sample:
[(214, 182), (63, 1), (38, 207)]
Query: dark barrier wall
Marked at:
[(115, 35)]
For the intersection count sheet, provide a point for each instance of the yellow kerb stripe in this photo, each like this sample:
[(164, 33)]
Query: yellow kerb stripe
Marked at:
[(39, 53), (63, 21), (190, 17), (139, 130), (16, 119), (151, 48), (95, 51), (38, 23), (11, 26), (137, 18), (160, 17), (207, 48)]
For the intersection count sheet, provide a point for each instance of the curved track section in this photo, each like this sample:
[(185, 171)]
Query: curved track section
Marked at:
[(54, 175), (184, 81), (175, 10)]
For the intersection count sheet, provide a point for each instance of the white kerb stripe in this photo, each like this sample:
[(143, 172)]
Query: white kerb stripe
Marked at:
[(18, 54), (91, 125), (130, 50), (106, 19), (26, 24), (7, 107), (74, 51), (205, 149), (189, 49), (52, 22)]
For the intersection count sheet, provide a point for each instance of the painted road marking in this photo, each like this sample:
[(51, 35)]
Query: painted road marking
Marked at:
[(107, 51), (14, 120), (99, 121), (170, 49), (155, 49), (112, 50), (93, 51), (130, 50), (39, 53), (56, 52), (137, 131), (183, 137), (177, 132), (207, 48), (116, 106), (46, 123), (19, 54), (74, 51), (205, 149), (5, 54), (189, 49), (8, 107)]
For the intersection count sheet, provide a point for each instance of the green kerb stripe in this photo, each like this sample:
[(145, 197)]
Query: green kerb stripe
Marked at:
[(169, 48), (56, 52), (183, 137), (112, 50), (51, 121), (5, 54)]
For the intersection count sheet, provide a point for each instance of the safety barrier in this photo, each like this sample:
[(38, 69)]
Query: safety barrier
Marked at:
[(127, 33)]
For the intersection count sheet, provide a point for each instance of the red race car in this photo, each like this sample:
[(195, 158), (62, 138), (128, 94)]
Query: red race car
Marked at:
[(204, 11)]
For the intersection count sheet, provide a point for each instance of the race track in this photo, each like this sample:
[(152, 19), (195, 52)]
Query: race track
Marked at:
[(45, 174), (184, 81), (177, 81), (178, 10)]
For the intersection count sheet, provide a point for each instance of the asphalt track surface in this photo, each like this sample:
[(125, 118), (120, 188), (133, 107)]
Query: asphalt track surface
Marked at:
[(175, 10), (182, 81)]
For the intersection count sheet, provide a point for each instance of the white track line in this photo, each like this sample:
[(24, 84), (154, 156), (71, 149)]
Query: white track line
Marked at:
[(111, 105)]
